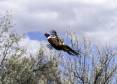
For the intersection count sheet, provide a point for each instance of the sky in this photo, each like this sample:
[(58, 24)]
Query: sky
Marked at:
[(94, 19)]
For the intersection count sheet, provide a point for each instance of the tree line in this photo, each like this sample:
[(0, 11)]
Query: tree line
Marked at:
[(94, 65)]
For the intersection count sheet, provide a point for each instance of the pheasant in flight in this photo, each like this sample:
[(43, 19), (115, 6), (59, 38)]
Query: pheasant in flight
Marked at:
[(56, 42)]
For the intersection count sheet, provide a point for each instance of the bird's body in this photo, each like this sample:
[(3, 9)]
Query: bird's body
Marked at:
[(58, 43)]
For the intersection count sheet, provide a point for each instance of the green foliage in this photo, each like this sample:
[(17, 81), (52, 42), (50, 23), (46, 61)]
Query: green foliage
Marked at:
[(17, 71)]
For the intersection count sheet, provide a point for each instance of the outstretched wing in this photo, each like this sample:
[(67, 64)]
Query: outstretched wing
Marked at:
[(54, 34)]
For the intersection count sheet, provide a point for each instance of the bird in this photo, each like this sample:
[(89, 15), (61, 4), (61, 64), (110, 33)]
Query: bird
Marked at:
[(56, 42)]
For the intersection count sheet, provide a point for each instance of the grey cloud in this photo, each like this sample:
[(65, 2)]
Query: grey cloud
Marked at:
[(97, 21), (69, 16), (87, 18)]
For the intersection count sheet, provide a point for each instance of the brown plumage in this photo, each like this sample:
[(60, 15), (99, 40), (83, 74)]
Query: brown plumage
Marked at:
[(58, 43)]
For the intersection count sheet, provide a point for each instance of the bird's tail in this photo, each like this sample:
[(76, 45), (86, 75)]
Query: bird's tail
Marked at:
[(70, 50)]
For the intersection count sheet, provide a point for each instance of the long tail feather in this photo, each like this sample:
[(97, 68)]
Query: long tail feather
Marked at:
[(70, 50), (70, 53)]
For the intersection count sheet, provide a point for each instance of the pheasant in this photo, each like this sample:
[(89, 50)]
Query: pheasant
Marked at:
[(57, 43)]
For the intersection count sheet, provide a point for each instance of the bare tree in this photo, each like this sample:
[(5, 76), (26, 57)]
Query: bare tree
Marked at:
[(94, 65)]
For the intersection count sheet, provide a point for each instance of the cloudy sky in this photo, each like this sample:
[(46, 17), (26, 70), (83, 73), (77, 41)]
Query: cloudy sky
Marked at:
[(96, 19)]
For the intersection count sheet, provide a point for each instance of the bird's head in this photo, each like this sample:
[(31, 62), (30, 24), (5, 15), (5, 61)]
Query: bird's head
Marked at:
[(47, 35)]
